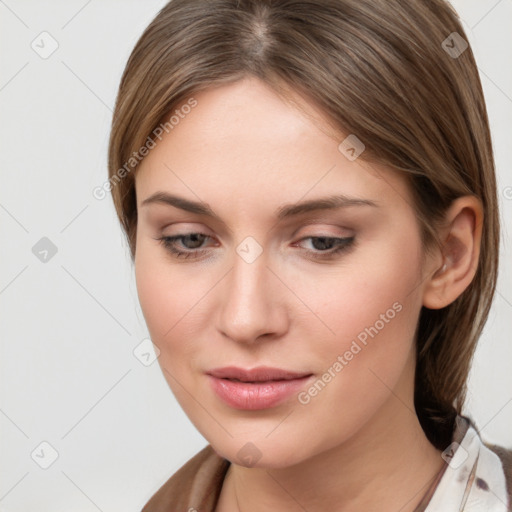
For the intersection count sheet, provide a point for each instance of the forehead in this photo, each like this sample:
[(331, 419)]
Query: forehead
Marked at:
[(242, 143)]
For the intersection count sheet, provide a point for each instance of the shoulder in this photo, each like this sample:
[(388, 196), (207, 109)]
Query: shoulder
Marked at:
[(196, 485), (505, 455)]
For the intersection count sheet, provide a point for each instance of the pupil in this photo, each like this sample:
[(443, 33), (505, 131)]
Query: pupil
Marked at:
[(196, 237)]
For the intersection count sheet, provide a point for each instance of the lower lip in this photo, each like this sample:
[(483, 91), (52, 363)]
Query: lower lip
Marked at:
[(254, 396)]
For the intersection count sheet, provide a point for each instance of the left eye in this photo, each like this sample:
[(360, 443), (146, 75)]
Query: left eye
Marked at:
[(325, 243)]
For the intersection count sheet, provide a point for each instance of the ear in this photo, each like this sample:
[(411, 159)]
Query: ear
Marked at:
[(452, 270)]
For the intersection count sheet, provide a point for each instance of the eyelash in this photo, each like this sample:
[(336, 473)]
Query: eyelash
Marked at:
[(342, 245)]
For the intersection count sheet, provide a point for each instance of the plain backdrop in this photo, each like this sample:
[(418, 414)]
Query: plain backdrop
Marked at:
[(74, 396)]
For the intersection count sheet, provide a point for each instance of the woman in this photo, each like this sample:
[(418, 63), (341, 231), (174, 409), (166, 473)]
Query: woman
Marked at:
[(309, 197)]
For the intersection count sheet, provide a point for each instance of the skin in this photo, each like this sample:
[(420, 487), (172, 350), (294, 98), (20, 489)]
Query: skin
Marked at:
[(357, 445)]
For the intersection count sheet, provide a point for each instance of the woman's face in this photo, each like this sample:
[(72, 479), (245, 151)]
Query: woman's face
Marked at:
[(331, 294)]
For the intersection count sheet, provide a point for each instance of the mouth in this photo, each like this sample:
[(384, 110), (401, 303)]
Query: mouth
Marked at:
[(256, 389), (255, 375)]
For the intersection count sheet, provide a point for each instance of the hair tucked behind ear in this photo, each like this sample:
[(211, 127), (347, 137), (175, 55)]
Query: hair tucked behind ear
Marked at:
[(384, 70)]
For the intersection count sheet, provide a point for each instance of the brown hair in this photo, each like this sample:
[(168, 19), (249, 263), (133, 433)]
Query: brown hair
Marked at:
[(387, 71)]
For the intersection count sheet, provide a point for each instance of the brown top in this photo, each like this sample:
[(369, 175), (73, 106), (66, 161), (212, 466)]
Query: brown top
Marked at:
[(196, 486)]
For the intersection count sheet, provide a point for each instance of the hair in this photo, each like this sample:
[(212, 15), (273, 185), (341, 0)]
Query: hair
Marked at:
[(379, 69)]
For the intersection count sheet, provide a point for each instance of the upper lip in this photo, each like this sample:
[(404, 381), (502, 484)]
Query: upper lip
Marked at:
[(259, 374)]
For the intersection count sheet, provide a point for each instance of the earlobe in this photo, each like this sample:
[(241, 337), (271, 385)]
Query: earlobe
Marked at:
[(461, 239)]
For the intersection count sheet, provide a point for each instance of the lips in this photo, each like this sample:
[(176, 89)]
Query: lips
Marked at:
[(259, 374), (258, 388)]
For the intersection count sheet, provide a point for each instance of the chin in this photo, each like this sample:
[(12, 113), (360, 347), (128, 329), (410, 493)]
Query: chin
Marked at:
[(264, 453)]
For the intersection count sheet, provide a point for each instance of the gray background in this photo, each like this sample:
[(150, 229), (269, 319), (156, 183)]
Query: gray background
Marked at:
[(69, 325)]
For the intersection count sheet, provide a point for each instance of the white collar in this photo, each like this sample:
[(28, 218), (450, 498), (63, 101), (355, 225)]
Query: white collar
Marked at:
[(474, 480)]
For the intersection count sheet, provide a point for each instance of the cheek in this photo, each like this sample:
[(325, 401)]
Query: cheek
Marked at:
[(372, 312), (377, 290), (173, 300), (164, 303), (163, 294), (154, 296)]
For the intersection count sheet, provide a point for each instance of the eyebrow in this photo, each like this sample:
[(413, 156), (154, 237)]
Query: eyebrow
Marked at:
[(284, 212)]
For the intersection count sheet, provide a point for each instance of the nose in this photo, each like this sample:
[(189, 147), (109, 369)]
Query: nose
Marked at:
[(252, 302)]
